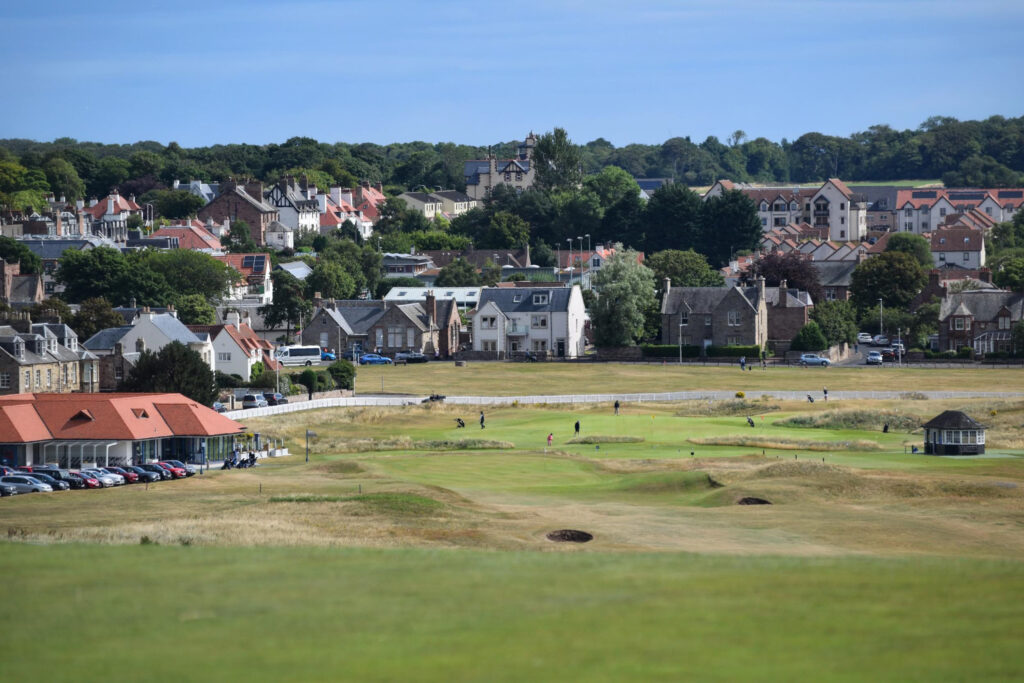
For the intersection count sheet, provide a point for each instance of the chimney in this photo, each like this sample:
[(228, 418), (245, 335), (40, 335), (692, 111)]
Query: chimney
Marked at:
[(666, 285), (985, 275), (934, 277), (110, 202), (140, 345), (233, 318), (431, 306), (255, 190), (176, 184), (318, 300), (760, 287), (118, 349), (170, 309), (783, 294), (380, 187), (346, 195)]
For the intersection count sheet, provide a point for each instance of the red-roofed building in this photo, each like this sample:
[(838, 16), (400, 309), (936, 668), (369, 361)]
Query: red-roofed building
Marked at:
[(958, 246), (109, 216), (192, 235), (256, 285), (83, 430), (924, 209), (367, 198), (238, 348)]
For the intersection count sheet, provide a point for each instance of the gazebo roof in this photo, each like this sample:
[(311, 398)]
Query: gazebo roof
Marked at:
[(953, 419)]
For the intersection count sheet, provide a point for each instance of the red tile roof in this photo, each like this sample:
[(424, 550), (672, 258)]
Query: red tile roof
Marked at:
[(841, 186), (120, 205), (957, 239), (112, 417), (190, 236)]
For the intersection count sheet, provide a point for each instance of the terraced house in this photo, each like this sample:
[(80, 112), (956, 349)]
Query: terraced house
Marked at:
[(44, 357), (716, 316)]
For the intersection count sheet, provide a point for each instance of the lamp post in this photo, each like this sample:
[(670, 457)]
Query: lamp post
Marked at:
[(580, 238), (569, 240), (309, 433), (881, 320), (680, 339)]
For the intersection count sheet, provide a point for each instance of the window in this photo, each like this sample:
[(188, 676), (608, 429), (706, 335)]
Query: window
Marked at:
[(395, 335), (28, 380), (1004, 322), (780, 221), (764, 206), (830, 293), (508, 177), (908, 212), (519, 175), (942, 212), (942, 256), (842, 206), (924, 225), (764, 222), (734, 318), (540, 321), (732, 340), (540, 344), (707, 321), (958, 324), (489, 345), (988, 210), (687, 340), (410, 337), (513, 345), (379, 337), (684, 318), (540, 299), (793, 206), (5, 380), (842, 234), (779, 206), (842, 220), (488, 322), (223, 356), (39, 379), (118, 373), (908, 226)]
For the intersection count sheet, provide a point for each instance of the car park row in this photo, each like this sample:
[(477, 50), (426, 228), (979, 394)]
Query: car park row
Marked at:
[(49, 478)]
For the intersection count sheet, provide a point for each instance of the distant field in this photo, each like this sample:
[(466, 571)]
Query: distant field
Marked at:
[(511, 379), (409, 549)]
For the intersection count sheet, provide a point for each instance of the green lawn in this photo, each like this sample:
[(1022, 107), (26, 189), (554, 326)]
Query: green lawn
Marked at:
[(83, 613)]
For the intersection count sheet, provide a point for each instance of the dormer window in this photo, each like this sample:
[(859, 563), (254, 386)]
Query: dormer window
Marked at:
[(540, 299)]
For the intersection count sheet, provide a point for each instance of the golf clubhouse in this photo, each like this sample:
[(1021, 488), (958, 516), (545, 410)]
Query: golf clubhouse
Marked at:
[(953, 433), (82, 430)]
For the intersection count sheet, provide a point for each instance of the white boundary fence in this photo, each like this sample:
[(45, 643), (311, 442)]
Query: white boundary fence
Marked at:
[(366, 401)]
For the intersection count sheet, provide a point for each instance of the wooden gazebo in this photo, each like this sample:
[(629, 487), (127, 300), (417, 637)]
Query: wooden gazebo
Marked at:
[(953, 433)]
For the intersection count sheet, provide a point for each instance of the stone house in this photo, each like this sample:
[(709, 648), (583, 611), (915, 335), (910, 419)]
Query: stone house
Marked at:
[(714, 316), (242, 202), (789, 309), (980, 319), (427, 204), (482, 175), (43, 357), (17, 290)]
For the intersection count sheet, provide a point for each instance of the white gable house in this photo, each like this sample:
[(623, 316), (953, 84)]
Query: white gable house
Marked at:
[(513, 321)]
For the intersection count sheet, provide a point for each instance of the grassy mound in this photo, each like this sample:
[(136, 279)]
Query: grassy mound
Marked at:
[(606, 439), (666, 482), (398, 504), (404, 443), (721, 408), (854, 419), (345, 467), (788, 444)]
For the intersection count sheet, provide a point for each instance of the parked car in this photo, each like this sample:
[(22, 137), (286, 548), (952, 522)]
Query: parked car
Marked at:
[(874, 358), (891, 354), (8, 490), (275, 399), (880, 340), (864, 338), (144, 475), (327, 355), (189, 469), (26, 484), (898, 346), (129, 476), (105, 478), (63, 475), (119, 479), (254, 401), (55, 484), (87, 482), (7, 469), (374, 359), (411, 356), (176, 472), (220, 407), (351, 354), (161, 471), (807, 359)]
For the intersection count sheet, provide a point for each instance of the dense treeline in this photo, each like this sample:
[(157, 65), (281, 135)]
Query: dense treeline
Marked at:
[(973, 153)]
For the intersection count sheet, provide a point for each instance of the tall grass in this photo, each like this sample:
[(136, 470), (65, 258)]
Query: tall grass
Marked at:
[(854, 419), (788, 444)]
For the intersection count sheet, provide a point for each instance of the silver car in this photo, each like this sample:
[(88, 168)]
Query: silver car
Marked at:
[(106, 479), (26, 484), (118, 478)]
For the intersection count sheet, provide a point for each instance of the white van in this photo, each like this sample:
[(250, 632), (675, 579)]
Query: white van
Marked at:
[(299, 355)]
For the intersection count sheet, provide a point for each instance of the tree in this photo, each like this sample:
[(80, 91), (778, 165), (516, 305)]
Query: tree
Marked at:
[(895, 277), (1011, 275), (194, 309), (625, 291), (93, 315), (685, 268), (135, 222), (288, 305), (239, 239), (52, 308), (912, 244), (837, 320), (794, 268), (105, 272), (177, 203), (490, 274), (505, 231), (672, 219), (387, 284), (729, 223), (63, 179), (13, 251), (192, 272), (557, 162), (809, 338), (458, 273), (1017, 338), (173, 369), (611, 185), (331, 281)]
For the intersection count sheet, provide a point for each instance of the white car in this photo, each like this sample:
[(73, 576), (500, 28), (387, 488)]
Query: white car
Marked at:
[(106, 479), (814, 359), (26, 484), (874, 358), (864, 338)]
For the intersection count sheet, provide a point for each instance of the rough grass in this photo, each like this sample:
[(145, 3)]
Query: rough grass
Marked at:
[(404, 443), (597, 438), (854, 419), (788, 444), (719, 408)]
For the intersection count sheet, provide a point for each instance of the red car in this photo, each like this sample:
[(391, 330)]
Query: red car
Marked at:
[(90, 482), (129, 476), (178, 472)]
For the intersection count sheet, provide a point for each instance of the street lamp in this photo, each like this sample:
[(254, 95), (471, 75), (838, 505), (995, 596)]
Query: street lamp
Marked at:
[(680, 339), (881, 321), (581, 259), (309, 433), (569, 240)]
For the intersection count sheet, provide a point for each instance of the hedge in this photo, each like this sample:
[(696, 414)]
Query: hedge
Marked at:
[(668, 351), (751, 352)]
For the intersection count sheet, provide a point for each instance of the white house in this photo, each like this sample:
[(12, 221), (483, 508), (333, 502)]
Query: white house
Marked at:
[(427, 204), (151, 332), (515, 320), (237, 347), (294, 209), (844, 214), (256, 285), (958, 246)]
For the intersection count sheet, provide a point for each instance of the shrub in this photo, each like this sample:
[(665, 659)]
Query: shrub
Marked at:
[(965, 352), (740, 394), (343, 373), (308, 379), (226, 381), (809, 338), (751, 352), (324, 381), (257, 369)]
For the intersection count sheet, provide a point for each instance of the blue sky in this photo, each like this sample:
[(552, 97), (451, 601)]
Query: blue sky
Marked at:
[(478, 73)]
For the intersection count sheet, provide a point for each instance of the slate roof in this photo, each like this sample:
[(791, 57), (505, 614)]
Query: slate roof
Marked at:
[(953, 419), (105, 339), (453, 196), (982, 304), (795, 298), (299, 269), (834, 273), (257, 204), (521, 300), (705, 300), (49, 249)]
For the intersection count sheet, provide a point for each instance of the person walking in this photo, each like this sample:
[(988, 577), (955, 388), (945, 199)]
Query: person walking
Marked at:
[(550, 439), (824, 390), (577, 427), (616, 406), (743, 363), (481, 419)]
